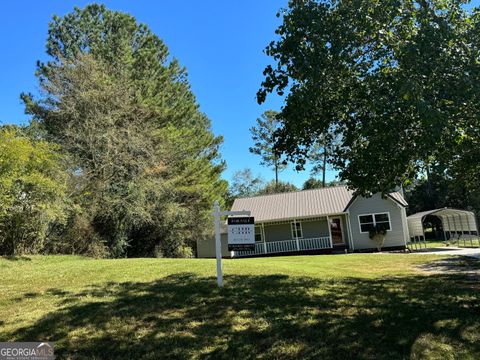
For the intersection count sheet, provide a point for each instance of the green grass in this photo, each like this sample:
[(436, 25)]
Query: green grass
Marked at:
[(443, 244), (362, 306)]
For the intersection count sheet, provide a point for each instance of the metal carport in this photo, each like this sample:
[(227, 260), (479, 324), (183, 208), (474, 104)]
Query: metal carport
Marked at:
[(456, 224)]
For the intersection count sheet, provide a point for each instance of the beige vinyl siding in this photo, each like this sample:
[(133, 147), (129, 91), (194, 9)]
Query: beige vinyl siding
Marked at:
[(376, 204)]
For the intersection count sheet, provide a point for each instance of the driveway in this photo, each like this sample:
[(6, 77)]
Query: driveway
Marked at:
[(471, 252)]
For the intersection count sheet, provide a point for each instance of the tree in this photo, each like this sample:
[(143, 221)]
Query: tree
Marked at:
[(321, 154), (244, 184), (397, 80), (146, 163), (312, 183), (440, 189), (276, 188), (32, 190), (263, 136)]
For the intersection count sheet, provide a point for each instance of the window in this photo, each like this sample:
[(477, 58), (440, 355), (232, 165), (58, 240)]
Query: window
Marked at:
[(368, 221), (258, 234), (296, 230)]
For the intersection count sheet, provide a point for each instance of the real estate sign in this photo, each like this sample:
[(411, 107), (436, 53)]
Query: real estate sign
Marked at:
[(241, 233)]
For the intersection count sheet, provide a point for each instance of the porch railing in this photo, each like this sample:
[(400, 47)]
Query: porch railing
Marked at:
[(272, 247)]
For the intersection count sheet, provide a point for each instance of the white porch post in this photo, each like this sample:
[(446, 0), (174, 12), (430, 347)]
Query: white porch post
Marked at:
[(329, 231), (349, 228), (296, 234), (264, 240)]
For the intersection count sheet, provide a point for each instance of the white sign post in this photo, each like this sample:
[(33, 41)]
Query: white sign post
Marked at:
[(217, 214)]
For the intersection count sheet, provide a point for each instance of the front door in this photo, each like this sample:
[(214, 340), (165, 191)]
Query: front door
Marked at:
[(336, 231)]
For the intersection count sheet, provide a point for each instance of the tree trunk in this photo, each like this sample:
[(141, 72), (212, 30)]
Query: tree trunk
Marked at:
[(276, 174), (324, 167)]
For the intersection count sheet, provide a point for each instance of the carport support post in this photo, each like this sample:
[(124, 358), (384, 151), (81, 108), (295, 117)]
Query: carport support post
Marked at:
[(461, 229), (218, 243), (469, 230), (449, 227), (443, 228)]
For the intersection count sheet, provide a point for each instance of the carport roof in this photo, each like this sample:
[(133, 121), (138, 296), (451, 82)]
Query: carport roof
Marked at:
[(439, 212)]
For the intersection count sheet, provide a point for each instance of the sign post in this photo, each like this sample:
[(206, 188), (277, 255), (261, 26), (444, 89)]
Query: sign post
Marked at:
[(217, 214)]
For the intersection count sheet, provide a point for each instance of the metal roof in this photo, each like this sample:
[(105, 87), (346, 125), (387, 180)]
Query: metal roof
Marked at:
[(440, 212), (301, 204), (452, 220)]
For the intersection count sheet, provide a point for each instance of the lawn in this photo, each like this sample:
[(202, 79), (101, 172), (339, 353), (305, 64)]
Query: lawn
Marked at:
[(451, 243), (362, 306)]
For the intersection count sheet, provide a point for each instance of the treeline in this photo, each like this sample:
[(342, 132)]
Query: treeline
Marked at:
[(245, 184), (117, 160)]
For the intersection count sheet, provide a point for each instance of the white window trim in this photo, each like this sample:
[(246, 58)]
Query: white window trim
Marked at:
[(292, 226), (374, 222)]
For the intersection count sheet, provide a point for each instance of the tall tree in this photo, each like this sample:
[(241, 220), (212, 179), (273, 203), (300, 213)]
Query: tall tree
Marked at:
[(263, 136), (244, 184), (147, 165), (398, 80)]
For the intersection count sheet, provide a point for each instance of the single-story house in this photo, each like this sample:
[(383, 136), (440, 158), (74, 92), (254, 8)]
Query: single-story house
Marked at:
[(319, 220)]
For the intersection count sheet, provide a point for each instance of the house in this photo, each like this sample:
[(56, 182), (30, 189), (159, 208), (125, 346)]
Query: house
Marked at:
[(319, 220)]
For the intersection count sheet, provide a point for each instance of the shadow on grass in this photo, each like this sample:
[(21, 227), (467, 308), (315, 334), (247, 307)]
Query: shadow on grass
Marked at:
[(16, 258), (185, 316)]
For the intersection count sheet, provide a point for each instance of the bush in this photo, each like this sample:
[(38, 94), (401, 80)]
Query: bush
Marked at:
[(32, 192)]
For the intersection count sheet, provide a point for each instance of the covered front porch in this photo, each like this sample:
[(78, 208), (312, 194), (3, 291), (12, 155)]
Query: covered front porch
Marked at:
[(299, 235)]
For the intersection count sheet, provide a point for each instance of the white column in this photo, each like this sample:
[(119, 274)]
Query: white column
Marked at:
[(296, 234), (218, 244), (349, 227), (329, 231), (264, 240)]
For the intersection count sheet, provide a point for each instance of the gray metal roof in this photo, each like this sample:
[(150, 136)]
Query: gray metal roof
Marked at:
[(440, 212), (452, 220), (300, 204), (398, 198)]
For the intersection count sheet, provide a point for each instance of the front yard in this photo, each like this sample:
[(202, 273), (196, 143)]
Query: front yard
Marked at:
[(368, 306)]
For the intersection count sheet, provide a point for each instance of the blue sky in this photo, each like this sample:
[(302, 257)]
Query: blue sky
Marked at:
[(220, 42)]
